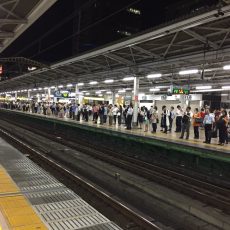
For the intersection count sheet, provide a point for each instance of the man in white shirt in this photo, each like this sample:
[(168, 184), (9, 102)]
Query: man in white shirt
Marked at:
[(209, 119), (129, 117), (179, 114)]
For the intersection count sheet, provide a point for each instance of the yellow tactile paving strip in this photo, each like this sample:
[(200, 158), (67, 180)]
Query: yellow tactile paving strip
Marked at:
[(17, 211)]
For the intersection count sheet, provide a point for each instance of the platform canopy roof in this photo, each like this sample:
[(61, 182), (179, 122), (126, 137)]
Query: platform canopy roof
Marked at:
[(17, 15), (201, 42)]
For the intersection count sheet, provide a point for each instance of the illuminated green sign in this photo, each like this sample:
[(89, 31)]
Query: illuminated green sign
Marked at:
[(180, 91)]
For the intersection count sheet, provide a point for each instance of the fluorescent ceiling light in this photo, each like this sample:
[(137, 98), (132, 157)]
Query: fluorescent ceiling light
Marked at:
[(156, 75), (52, 87), (39, 88), (108, 92), (109, 81), (45, 87), (84, 91), (206, 90), (204, 87), (69, 85), (87, 94), (80, 84), (226, 87), (100, 95), (93, 83), (34, 89), (60, 86), (103, 90), (154, 90), (191, 71), (224, 94), (226, 67), (121, 91), (128, 79), (98, 92)]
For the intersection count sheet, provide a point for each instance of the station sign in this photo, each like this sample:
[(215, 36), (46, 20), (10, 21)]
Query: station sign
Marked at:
[(180, 91), (61, 94)]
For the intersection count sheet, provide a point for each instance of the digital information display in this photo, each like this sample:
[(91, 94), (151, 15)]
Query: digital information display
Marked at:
[(180, 91)]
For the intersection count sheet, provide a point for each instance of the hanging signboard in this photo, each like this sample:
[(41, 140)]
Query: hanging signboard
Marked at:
[(180, 91), (61, 94)]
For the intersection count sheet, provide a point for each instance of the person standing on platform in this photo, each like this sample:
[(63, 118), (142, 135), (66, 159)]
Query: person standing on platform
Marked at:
[(105, 113), (129, 117), (196, 124), (165, 119), (222, 124), (110, 114), (186, 123), (114, 111), (119, 114), (179, 114), (146, 119), (171, 118), (73, 111), (154, 119), (101, 114), (208, 126), (140, 116)]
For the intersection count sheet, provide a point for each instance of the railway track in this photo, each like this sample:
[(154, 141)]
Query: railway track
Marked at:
[(137, 221), (204, 191)]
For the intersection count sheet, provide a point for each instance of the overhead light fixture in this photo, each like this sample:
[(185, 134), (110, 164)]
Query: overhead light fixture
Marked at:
[(226, 67), (34, 89), (84, 91), (108, 92), (103, 90), (87, 94), (128, 79), (60, 86), (93, 82), (80, 84), (186, 72), (206, 90), (52, 87), (154, 90), (39, 88), (45, 87), (100, 95), (156, 75), (121, 91), (98, 92), (69, 85), (226, 87), (224, 94), (204, 87), (109, 81)]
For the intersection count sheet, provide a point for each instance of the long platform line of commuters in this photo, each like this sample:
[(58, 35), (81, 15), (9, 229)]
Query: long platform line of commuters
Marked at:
[(215, 123)]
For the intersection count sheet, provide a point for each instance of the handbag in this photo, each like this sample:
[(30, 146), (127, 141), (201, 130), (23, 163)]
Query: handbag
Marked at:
[(199, 120)]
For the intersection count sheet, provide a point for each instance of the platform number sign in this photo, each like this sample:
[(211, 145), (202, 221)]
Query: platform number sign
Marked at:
[(180, 91)]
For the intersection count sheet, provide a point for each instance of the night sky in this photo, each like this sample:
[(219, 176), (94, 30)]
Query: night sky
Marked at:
[(56, 35)]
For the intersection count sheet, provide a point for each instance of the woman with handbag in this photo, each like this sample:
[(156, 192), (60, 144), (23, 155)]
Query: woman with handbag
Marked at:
[(197, 120)]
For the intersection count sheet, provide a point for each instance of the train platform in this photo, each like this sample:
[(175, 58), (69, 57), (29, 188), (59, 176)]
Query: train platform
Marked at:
[(31, 199), (171, 137)]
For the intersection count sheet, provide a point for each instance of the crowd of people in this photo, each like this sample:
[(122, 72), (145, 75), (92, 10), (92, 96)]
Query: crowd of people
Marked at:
[(215, 123)]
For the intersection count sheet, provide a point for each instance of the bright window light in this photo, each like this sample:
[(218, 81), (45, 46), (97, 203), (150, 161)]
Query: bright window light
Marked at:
[(80, 84), (226, 87), (226, 67), (156, 75), (69, 85), (109, 81), (154, 90), (204, 87), (60, 86), (191, 71), (93, 83), (128, 79)]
